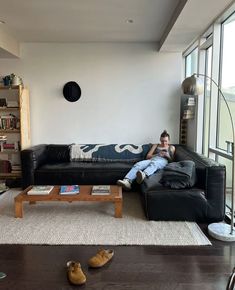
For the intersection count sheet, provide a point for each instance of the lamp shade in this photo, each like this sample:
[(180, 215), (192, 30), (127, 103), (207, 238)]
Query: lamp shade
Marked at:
[(192, 86)]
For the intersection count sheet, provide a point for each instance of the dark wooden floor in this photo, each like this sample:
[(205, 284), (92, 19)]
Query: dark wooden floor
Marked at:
[(133, 267)]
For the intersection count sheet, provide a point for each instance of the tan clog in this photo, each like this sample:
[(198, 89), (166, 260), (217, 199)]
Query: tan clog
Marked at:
[(75, 273), (101, 258)]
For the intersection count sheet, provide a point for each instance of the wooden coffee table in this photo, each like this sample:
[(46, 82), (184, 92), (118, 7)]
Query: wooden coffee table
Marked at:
[(85, 195)]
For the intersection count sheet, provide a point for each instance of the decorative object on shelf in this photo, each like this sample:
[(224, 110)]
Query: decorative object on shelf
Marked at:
[(13, 80), (221, 231), (16, 80), (7, 80), (72, 91)]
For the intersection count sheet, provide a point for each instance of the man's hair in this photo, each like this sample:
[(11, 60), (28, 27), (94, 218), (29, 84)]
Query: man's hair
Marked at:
[(165, 134)]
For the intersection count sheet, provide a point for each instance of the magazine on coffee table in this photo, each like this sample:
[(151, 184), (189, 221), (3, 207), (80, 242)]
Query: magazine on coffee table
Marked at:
[(100, 190), (40, 190), (69, 189)]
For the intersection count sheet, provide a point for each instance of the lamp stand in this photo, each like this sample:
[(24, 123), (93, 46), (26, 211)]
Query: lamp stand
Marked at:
[(220, 231)]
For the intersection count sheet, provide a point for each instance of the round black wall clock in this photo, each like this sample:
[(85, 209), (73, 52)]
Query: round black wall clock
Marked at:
[(72, 91)]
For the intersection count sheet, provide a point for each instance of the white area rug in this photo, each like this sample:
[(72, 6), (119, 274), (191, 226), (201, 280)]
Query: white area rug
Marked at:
[(88, 223)]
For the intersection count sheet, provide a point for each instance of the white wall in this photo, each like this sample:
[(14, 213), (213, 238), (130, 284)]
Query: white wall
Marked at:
[(130, 93)]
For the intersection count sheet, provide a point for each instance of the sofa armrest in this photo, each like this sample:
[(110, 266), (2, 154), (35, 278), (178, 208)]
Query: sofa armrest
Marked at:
[(211, 177), (215, 192), (31, 159)]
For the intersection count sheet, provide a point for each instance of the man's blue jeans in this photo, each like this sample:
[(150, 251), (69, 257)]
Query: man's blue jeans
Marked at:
[(147, 166)]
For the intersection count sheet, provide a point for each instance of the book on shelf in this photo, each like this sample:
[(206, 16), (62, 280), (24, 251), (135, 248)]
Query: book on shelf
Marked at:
[(3, 138), (3, 102), (69, 189), (191, 101), (40, 190), (16, 168), (9, 122), (9, 147), (100, 190), (5, 166), (16, 172), (188, 114), (12, 104)]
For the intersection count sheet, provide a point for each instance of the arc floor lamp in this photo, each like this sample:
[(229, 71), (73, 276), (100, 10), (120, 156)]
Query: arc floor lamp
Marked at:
[(194, 86)]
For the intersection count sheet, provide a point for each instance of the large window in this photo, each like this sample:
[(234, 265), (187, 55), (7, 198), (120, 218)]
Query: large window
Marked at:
[(227, 83), (207, 96), (191, 62), (215, 57)]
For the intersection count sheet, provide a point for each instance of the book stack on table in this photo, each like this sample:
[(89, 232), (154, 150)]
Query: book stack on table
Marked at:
[(40, 190), (69, 189), (100, 190)]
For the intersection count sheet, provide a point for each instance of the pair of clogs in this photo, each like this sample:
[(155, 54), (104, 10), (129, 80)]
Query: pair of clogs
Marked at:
[(74, 269)]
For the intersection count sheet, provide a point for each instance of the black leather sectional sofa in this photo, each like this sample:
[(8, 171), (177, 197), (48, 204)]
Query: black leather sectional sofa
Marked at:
[(204, 202)]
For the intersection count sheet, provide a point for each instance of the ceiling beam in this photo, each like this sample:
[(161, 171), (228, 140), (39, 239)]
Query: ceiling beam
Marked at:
[(9, 46), (194, 17)]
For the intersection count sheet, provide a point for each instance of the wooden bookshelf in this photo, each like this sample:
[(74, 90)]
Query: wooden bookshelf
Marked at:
[(15, 125)]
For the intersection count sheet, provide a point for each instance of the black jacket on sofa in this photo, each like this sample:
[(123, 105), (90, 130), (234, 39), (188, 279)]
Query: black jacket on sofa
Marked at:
[(204, 202)]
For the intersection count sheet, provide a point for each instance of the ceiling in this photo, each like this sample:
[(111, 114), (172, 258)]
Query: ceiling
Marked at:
[(87, 20), (172, 24)]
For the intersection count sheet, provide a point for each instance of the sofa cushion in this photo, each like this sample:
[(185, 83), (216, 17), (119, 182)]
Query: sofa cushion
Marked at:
[(109, 153), (57, 153), (152, 182), (81, 173), (179, 174), (175, 204)]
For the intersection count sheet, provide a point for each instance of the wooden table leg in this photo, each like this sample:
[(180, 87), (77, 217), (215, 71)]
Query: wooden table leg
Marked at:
[(118, 208), (18, 209)]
